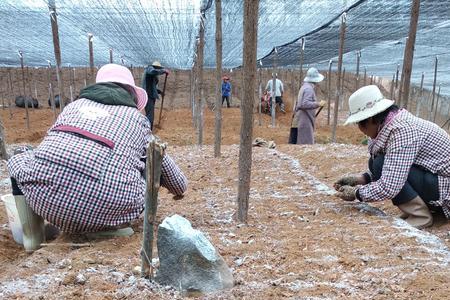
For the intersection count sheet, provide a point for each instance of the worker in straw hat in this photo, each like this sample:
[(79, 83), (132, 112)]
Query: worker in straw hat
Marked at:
[(303, 119), (409, 159), (150, 85), (87, 175), (226, 90)]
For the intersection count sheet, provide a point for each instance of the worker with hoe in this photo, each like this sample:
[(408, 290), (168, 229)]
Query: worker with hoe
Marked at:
[(304, 116), (87, 175), (409, 159), (150, 85)]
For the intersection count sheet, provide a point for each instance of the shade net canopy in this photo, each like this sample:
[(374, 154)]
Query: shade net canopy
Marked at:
[(140, 31)]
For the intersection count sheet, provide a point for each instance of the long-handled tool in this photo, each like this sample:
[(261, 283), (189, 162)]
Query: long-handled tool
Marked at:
[(162, 101), (318, 112)]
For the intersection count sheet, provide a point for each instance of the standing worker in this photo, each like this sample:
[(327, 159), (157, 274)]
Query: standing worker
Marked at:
[(409, 159), (150, 85), (226, 90), (279, 90), (305, 108)]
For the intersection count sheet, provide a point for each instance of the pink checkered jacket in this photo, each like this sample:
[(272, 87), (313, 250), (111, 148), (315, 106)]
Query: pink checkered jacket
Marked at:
[(86, 175)]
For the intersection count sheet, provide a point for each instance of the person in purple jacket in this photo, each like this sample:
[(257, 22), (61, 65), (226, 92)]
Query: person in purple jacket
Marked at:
[(305, 108)]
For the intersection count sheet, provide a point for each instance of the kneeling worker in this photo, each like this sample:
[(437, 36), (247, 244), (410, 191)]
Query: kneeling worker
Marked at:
[(409, 159)]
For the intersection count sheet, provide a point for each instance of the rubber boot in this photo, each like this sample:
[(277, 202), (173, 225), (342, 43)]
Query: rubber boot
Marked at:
[(32, 225), (419, 214)]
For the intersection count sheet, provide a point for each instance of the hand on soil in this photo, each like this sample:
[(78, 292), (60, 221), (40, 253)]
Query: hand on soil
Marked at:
[(347, 193), (347, 180)]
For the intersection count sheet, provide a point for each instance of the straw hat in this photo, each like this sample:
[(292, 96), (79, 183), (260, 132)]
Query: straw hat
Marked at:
[(312, 75), (225, 77), (120, 74), (365, 103), (156, 64)]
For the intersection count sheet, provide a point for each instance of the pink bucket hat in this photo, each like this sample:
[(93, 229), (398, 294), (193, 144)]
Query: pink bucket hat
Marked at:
[(121, 74)]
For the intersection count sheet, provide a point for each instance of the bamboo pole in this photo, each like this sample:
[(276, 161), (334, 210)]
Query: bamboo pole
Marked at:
[(434, 88), (409, 53), (111, 60), (419, 100), (23, 85), (251, 8), (358, 59), (274, 88), (342, 88), (329, 92), (30, 91), (218, 111), (338, 87), (57, 50), (155, 153)]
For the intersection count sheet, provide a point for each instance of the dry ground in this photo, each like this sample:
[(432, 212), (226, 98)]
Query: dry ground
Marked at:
[(301, 242)]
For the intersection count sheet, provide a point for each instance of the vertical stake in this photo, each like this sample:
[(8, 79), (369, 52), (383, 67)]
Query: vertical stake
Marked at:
[(23, 85), (338, 87)]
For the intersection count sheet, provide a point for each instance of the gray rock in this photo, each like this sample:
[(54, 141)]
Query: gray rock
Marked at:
[(188, 261)]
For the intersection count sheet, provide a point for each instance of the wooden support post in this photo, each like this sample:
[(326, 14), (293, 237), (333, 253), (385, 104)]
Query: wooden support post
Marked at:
[(419, 100), (409, 53), (200, 85), (11, 90), (24, 93), (91, 58), (260, 94), (155, 153), (434, 89), (302, 55), (437, 103), (338, 81), (218, 111), (3, 96), (274, 89), (3, 153), (111, 60), (342, 89), (51, 91), (251, 8), (391, 89), (57, 50), (365, 75), (329, 92), (371, 79), (30, 91), (358, 59)]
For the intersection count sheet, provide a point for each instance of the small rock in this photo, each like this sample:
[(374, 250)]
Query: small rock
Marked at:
[(137, 270), (118, 277), (90, 261), (80, 279), (64, 263)]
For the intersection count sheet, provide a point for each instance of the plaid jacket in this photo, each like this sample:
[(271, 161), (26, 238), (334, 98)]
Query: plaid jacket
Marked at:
[(405, 141), (86, 174)]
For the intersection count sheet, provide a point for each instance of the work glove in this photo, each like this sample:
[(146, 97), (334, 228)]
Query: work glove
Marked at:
[(322, 103), (348, 180), (347, 193)]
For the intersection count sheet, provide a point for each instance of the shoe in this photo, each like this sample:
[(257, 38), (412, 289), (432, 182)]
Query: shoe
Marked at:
[(419, 215), (32, 225)]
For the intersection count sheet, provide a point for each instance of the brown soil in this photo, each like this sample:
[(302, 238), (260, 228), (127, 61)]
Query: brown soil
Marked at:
[(300, 242)]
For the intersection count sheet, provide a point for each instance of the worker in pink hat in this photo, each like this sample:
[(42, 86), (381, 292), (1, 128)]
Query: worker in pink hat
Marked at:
[(87, 174)]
